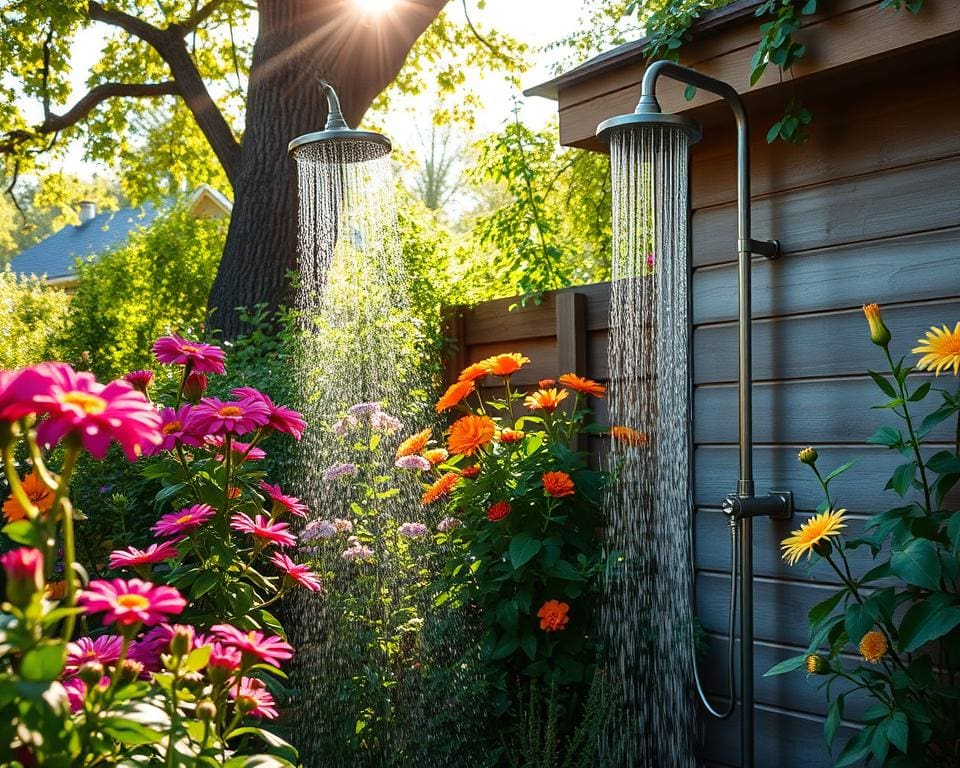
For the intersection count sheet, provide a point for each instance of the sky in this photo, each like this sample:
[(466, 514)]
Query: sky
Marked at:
[(535, 22)]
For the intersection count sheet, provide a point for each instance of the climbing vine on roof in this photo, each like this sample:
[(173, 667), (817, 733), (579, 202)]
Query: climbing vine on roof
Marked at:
[(668, 26)]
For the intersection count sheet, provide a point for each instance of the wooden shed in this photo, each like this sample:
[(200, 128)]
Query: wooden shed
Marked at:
[(868, 210)]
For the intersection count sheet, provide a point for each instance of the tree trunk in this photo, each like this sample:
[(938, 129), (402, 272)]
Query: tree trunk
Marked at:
[(298, 40)]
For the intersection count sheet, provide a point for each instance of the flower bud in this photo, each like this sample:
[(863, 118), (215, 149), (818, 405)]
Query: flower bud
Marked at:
[(91, 673), (194, 387), (879, 333), (24, 570), (206, 711), (129, 671), (823, 548), (808, 456), (817, 665), (139, 380), (181, 641)]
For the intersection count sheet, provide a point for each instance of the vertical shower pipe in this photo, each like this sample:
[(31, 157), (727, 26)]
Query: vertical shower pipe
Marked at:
[(740, 507)]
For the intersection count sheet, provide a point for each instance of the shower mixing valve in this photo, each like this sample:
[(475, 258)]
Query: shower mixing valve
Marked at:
[(776, 504)]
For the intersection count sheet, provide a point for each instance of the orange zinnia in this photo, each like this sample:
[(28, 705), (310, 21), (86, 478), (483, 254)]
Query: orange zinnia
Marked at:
[(558, 484), (506, 364), (545, 400), (629, 436), (474, 372), (55, 590), (469, 434), (454, 394), (41, 497), (414, 444), (547, 383), (582, 385), (436, 456), (553, 616), (511, 436), (469, 472), (498, 511), (440, 488)]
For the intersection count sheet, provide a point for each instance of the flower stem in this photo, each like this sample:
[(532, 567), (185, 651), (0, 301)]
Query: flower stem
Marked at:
[(16, 487), (914, 442)]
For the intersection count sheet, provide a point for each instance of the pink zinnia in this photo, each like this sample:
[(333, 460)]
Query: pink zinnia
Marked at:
[(139, 380), (216, 417), (104, 649), (173, 425), (251, 696), (282, 419), (149, 648), (76, 403), (131, 557), (77, 691), (131, 602), (17, 390), (261, 528), (184, 521), (225, 657), (298, 573), (270, 649), (283, 502), (202, 358)]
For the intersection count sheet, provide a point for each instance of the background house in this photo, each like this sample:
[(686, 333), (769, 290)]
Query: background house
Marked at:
[(98, 233)]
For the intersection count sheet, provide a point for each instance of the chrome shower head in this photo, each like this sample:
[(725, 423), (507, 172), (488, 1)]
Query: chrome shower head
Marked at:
[(648, 115), (354, 146)]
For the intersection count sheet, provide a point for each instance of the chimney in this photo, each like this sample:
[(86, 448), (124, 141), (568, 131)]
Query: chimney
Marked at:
[(88, 211)]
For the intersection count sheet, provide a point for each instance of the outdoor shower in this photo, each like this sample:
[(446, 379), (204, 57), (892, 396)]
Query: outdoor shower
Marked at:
[(648, 154)]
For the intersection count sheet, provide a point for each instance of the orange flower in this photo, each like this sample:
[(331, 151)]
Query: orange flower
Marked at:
[(454, 394), (511, 436), (505, 365), (558, 484), (55, 590), (553, 616), (469, 434), (474, 372), (414, 444), (436, 456), (545, 400), (547, 383), (440, 488), (498, 511), (583, 386), (41, 496), (470, 471), (629, 436)]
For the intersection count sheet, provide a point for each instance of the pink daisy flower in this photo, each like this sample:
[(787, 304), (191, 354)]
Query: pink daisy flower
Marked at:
[(17, 390), (282, 419), (298, 573), (156, 642), (224, 656), (269, 649), (104, 649), (202, 358), (238, 450), (173, 425), (131, 557), (131, 602), (212, 416), (76, 403), (252, 697), (139, 380), (260, 527), (184, 521), (283, 502), (77, 691)]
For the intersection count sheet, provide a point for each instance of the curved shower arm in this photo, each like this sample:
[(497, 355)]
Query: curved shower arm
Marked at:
[(335, 119)]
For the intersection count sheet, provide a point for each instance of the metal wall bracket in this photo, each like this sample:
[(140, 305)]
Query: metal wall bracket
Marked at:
[(768, 248), (777, 505)]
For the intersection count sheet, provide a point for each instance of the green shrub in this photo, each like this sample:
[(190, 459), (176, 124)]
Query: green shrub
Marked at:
[(32, 319)]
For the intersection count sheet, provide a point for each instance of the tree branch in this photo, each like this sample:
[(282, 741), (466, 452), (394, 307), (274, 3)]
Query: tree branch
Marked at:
[(101, 93), (197, 17)]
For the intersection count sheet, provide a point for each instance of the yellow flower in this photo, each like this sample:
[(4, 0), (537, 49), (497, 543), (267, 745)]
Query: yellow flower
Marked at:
[(940, 349), (817, 665), (879, 333), (808, 456), (817, 529), (873, 646)]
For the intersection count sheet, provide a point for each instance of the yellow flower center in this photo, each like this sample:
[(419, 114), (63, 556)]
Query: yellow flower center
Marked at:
[(189, 349), (173, 426), (90, 404), (185, 518), (949, 345), (133, 602), (229, 411)]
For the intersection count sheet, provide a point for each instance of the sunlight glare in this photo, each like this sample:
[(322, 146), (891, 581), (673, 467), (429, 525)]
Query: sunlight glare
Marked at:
[(375, 7)]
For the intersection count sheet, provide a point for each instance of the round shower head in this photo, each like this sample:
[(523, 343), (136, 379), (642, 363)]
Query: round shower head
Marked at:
[(640, 120), (354, 146)]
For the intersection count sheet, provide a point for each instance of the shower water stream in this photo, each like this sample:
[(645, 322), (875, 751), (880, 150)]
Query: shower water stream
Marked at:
[(647, 617)]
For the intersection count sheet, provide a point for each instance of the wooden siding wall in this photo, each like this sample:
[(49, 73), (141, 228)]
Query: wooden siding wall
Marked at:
[(868, 210)]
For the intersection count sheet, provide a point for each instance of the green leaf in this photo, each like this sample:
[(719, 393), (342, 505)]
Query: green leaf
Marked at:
[(938, 416), (834, 716), (898, 730), (839, 471), (857, 622), (953, 531), (24, 532), (204, 583), (774, 132), (902, 479), (129, 732), (823, 609), (926, 621), (809, 7), (787, 665), (918, 564), (885, 386), (198, 658), (529, 645), (887, 436), (523, 548), (920, 392), (689, 92), (856, 749), (43, 663)]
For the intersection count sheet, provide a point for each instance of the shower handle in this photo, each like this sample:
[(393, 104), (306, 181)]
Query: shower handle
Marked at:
[(777, 505)]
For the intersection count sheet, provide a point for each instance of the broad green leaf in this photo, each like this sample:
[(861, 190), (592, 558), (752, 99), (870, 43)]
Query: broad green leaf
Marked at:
[(129, 732), (823, 609), (43, 663), (23, 532), (887, 436), (834, 716), (885, 386), (902, 478), (898, 730), (856, 749), (839, 470), (198, 658), (787, 665), (918, 564), (857, 622), (926, 621), (523, 548)]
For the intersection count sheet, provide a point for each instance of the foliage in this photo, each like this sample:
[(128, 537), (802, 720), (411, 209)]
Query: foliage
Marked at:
[(157, 282), (908, 631), (553, 229), (163, 695), (33, 319)]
